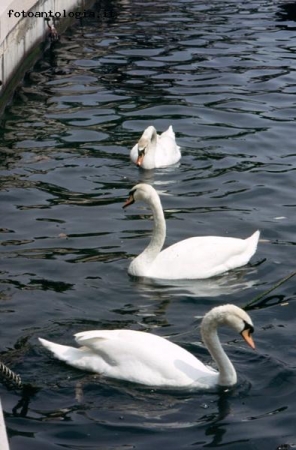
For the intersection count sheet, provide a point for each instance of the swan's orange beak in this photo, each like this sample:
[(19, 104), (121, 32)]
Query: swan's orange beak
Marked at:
[(248, 338), (129, 201), (140, 159)]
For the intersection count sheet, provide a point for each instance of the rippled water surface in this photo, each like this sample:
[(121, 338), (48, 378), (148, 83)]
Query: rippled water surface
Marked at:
[(223, 74)]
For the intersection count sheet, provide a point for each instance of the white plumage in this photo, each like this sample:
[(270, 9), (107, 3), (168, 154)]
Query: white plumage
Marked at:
[(154, 151), (151, 360), (194, 258)]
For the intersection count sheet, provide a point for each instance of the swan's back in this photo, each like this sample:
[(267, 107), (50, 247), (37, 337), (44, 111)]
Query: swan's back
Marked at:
[(135, 356), (144, 357), (202, 257)]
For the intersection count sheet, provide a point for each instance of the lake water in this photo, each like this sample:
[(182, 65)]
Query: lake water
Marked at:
[(223, 74)]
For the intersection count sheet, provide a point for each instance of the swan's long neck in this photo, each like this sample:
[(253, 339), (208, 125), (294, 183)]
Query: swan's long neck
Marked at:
[(159, 230), (227, 373)]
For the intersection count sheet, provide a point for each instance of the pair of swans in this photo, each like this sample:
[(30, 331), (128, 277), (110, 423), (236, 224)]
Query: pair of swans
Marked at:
[(151, 360), (155, 151), (194, 258)]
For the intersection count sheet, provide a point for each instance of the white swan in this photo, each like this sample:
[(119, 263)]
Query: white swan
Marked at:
[(193, 258), (151, 360), (153, 150)]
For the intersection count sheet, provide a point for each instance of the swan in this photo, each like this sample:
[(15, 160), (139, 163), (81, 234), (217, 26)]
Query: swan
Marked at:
[(194, 258), (151, 360), (154, 151)]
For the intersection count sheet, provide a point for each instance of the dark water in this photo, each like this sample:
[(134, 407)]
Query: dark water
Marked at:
[(223, 74)]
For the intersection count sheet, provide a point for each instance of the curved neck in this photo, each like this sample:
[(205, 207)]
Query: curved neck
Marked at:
[(227, 373), (159, 230)]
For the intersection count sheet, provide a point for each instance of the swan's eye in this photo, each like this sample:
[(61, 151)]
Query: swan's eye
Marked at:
[(248, 328), (141, 152), (246, 334), (131, 193), (130, 199)]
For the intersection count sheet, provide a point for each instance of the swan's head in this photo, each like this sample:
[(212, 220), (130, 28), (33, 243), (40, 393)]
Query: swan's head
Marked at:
[(145, 141), (142, 192), (232, 316)]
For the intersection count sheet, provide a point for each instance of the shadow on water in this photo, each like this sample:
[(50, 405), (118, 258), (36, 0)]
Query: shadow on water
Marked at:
[(230, 283), (287, 12)]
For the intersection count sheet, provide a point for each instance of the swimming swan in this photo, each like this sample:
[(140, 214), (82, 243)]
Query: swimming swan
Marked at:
[(153, 150), (193, 258), (151, 360)]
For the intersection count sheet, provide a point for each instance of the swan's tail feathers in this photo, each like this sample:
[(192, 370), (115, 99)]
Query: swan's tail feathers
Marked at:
[(61, 352), (170, 131), (247, 249), (253, 242)]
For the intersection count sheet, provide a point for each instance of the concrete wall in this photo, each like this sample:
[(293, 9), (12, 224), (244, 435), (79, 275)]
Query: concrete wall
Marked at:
[(20, 37)]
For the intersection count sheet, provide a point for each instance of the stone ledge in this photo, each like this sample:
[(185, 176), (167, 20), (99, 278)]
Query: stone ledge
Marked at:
[(22, 30)]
